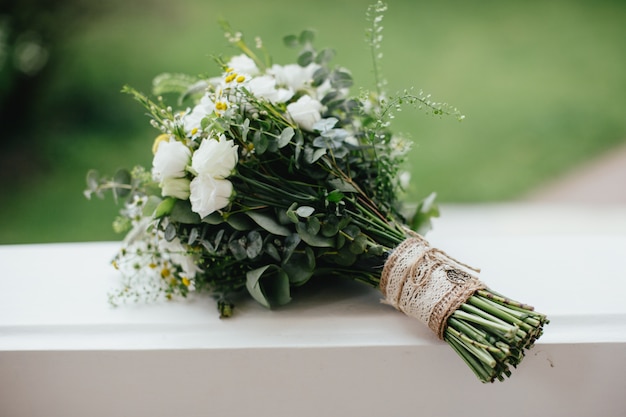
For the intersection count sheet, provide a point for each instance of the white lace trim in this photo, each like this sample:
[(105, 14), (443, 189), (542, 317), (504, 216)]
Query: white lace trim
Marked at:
[(425, 283)]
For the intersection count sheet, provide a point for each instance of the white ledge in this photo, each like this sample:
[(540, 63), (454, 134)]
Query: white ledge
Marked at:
[(336, 349)]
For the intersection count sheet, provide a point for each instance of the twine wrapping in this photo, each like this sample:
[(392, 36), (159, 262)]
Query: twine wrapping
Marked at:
[(427, 284)]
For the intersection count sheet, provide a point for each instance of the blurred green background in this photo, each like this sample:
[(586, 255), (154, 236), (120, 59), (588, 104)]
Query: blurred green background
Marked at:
[(542, 85)]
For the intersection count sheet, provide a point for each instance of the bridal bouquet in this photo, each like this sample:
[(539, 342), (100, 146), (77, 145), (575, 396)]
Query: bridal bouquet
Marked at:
[(268, 176)]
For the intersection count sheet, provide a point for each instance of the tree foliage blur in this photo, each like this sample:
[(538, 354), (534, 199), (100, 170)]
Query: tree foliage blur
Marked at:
[(31, 35)]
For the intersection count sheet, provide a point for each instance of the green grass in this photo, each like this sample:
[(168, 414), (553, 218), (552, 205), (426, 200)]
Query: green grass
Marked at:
[(541, 83)]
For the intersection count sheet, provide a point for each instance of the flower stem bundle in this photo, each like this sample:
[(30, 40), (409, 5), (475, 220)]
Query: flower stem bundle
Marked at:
[(269, 176), (491, 333)]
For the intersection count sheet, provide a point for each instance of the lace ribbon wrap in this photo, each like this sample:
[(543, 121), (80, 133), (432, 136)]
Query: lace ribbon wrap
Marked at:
[(425, 283)]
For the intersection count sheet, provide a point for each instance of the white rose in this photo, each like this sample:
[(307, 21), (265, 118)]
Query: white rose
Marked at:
[(243, 64), (216, 158), (209, 194), (293, 75), (175, 187), (265, 87), (305, 112), (170, 160)]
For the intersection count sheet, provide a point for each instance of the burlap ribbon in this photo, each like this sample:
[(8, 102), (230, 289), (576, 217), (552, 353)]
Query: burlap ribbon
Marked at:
[(425, 283)]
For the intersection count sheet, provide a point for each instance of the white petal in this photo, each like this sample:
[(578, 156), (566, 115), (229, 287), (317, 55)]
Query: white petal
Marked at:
[(209, 194)]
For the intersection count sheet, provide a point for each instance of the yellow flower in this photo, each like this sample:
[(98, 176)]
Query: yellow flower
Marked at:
[(230, 77), (221, 106), (186, 281)]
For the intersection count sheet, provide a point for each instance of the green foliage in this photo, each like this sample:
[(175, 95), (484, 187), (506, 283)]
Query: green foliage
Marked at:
[(269, 285)]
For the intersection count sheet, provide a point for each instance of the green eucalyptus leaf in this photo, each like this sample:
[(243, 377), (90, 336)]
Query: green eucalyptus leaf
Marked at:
[(254, 246), (122, 176), (313, 239), (245, 128), (218, 237), (335, 104), (285, 136), (208, 246), (268, 285), (300, 266), (352, 230), (268, 223), (313, 225), (345, 257), (319, 76), (291, 213), (325, 56), (377, 250), (260, 142), (311, 155), (238, 248), (341, 185), (344, 221), (193, 236), (298, 149), (181, 213), (341, 79), (291, 242), (213, 218), (306, 58), (306, 37), (170, 232), (240, 222), (291, 41), (340, 241), (358, 245), (272, 144), (272, 251), (305, 211), (329, 97), (330, 226)]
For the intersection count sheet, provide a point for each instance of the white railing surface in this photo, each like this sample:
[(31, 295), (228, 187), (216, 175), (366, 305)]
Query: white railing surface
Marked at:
[(336, 350)]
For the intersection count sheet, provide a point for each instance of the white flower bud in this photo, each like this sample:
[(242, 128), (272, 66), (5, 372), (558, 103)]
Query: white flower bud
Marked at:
[(175, 187), (305, 112), (170, 160)]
